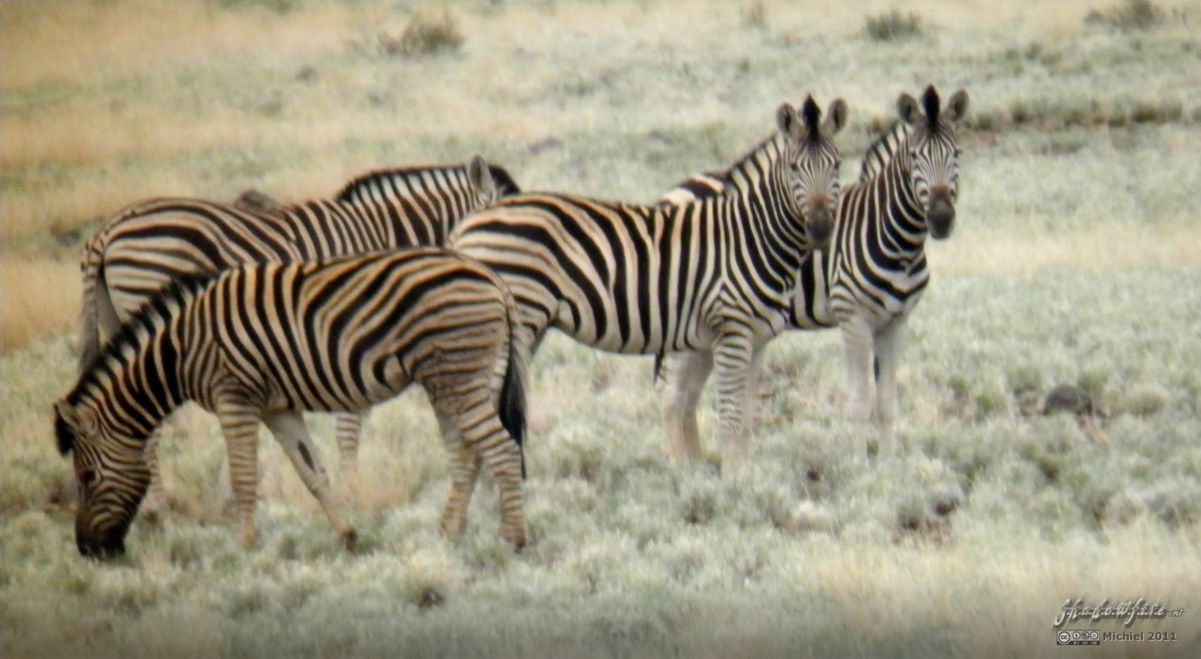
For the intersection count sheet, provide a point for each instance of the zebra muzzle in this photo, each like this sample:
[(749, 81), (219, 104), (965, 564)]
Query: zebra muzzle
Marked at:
[(940, 217), (820, 227)]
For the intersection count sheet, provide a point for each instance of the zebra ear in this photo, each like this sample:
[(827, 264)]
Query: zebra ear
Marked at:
[(66, 420), (788, 122), (907, 109), (480, 176), (836, 117), (956, 106)]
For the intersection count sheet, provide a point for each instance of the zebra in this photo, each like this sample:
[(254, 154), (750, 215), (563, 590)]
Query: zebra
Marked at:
[(874, 272), (715, 274), (149, 244), (264, 342)]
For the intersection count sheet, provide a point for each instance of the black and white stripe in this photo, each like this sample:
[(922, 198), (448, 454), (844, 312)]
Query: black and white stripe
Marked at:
[(265, 342), (712, 275), (872, 275), (148, 245)]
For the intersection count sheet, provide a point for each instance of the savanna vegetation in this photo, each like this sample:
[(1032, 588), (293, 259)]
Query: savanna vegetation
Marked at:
[(1076, 261)]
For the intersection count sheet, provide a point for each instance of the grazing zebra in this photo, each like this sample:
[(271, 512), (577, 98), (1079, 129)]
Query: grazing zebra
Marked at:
[(267, 341), (149, 244), (714, 275), (874, 271)]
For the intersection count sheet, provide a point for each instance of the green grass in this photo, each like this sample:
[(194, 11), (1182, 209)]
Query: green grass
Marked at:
[(1074, 261)]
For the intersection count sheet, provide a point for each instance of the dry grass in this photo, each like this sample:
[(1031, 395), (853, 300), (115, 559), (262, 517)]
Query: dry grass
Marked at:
[(39, 297), (148, 36)]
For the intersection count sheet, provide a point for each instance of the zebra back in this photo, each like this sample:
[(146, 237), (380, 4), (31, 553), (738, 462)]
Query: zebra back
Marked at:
[(646, 279), (150, 243)]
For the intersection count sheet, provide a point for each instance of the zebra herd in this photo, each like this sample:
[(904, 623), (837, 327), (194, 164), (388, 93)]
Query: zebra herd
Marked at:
[(450, 277)]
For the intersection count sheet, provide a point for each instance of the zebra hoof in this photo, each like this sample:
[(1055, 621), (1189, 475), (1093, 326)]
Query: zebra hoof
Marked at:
[(518, 540)]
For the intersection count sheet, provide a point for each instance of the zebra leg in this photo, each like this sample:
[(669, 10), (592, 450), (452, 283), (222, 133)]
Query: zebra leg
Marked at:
[(736, 359), (890, 343), (349, 428), (155, 505), (858, 343), (464, 469), (239, 424), (686, 376), (473, 417), (289, 430)]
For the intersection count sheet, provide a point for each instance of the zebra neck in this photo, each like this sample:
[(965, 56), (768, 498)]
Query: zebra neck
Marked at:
[(761, 224), (903, 224), (143, 385)]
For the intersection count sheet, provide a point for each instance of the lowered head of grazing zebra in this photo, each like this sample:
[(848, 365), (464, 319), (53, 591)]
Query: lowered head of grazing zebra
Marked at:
[(107, 440), (934, 155), (813, 164)]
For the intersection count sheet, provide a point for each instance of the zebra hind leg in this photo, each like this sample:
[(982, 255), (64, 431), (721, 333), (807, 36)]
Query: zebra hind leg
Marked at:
[(289, 430), (483, 435), (464, 469)]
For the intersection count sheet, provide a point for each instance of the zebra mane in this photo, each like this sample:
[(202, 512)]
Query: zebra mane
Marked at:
[(505, 185), (770, 146), (179, 290), (882, 150)]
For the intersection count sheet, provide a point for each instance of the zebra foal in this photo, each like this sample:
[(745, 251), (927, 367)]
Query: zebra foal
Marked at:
[(872, 275), (149, 244), (713, 275), (265, 342)]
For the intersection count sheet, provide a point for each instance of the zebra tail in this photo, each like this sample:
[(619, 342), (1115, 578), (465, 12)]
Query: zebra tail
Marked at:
[(96, 301), (512, 401)]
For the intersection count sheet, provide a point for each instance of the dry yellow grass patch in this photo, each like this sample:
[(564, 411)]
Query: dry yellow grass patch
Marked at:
[(38, 298), (94, 39)]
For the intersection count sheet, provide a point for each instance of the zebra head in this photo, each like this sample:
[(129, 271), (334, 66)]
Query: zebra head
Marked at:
[(812, 164), (112, 476), (934, 155)]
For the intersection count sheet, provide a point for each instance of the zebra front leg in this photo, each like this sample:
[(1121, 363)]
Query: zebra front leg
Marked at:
[(239, 424), (289, 430), (735, 359), (686, 376), (890, 343), (349, 427), (464, 469), (155, 505), (857, 342)]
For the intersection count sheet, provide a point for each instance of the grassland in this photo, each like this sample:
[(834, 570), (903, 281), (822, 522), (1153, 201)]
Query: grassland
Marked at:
[(1076, 260)]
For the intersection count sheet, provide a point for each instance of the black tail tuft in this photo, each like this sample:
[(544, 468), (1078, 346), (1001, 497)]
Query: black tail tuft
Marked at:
[(512, 404)]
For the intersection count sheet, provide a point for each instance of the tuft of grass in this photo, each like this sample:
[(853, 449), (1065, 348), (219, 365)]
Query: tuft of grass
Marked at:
[(1129, 15), (892, 25), (428, 32)]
